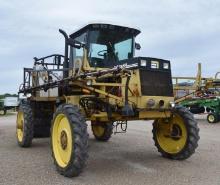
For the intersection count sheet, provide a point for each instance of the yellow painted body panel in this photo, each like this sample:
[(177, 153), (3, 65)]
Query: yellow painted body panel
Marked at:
[(99, 89), (141, 101), (154, 114)]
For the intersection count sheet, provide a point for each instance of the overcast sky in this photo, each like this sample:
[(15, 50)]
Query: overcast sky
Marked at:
[(185, 32)]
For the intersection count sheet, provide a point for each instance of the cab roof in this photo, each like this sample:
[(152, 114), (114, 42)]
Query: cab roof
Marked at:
[(99, 26)]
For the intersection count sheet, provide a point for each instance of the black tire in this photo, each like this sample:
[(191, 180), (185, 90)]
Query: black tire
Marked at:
[(208, 110), (42, 127), (212, 118), (43, 115), (191, 140), (28, 126), (41, 131), (80, 137), (107, 130), (197, 110)]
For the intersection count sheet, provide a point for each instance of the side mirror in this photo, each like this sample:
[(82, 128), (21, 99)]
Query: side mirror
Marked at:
[(75, 44), (137, 46)]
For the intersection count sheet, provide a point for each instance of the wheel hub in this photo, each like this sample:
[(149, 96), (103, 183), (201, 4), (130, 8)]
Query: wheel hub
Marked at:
[(176, 132), (63, 139), (211, 118), (172, 136)]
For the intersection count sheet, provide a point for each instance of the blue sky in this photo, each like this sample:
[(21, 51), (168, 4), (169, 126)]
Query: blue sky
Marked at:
[(185, 32)]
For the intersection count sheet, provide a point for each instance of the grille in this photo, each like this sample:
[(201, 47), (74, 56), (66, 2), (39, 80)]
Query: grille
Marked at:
[(156, 83)]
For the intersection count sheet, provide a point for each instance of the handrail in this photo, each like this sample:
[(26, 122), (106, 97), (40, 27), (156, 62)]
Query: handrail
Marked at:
[(53, 55)]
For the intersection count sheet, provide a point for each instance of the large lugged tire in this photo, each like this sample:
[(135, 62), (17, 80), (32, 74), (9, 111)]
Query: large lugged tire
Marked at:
[(101, 130), (41, 132), (24, 125), (177, 137), (197, 110), (43, 115), (69, 140), (42, 127)]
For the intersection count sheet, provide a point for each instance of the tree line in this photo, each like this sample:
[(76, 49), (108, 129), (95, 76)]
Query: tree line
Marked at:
[(7, 95)]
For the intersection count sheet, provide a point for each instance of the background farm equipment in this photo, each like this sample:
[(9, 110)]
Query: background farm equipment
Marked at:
[(203, 95), (8, 103), (2, 109)]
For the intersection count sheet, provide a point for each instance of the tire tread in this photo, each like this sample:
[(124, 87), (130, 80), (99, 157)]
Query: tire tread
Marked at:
[(192, 139)]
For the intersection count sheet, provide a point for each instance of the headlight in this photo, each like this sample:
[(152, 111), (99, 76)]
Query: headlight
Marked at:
[(166, 65), (172, 104), (143, 63), (89, 83), (151, 103)]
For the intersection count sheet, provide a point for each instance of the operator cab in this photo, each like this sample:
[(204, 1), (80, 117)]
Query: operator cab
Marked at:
[(107, 45)]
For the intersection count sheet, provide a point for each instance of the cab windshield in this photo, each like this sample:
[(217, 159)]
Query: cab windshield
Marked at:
[(107, 48)]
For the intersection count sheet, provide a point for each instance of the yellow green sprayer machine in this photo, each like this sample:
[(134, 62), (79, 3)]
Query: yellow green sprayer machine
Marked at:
[(99, 81)]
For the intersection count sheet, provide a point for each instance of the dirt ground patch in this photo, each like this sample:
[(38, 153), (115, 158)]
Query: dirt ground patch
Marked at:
[(129, 158)]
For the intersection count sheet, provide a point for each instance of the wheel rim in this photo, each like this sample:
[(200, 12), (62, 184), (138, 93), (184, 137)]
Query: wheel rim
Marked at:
[(211, 118), (62, 140), (20, 126), (172, 135), (98, 130)]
